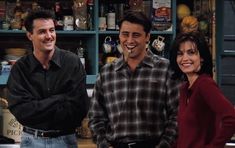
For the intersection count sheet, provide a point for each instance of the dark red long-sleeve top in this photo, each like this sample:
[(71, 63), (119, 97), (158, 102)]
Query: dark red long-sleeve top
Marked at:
[(206, 118)]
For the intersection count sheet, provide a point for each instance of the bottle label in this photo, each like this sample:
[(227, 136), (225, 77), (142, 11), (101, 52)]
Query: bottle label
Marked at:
[(111, 21), (102, 23)]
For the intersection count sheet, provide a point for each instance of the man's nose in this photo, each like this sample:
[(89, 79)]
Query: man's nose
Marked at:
[(130, 39), (48, 34)]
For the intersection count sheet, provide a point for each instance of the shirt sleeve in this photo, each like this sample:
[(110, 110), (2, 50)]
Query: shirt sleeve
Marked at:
[(224, 110), (73, 104), (70, 106), (172, 101), (98, 116)]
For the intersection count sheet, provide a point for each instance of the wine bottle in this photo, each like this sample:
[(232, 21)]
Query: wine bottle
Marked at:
[(90, 14), (102, 18), (81, 53), (58, 15), (16, 22), (111, 17)]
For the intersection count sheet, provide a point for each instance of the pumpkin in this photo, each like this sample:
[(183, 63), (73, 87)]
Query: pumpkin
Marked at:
[(182, 11), (189, 24)]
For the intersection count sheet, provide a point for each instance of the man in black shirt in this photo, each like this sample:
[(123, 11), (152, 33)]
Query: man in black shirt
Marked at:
[(47, 89)]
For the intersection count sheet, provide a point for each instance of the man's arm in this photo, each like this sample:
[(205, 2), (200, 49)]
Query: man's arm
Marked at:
[(172, 101), (70, 106), (98, 116)]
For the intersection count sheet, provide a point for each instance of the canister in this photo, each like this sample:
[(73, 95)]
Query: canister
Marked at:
[(11, 127), (68, 22)]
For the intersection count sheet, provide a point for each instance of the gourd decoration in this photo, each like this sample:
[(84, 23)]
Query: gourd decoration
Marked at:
[(182, 11), (189, 24)]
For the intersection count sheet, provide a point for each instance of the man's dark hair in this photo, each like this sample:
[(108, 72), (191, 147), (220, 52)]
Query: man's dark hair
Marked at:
[(37, 14), (137, 17), (199, 40)]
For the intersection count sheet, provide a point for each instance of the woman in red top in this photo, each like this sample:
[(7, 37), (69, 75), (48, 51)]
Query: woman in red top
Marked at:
[(206, 118)]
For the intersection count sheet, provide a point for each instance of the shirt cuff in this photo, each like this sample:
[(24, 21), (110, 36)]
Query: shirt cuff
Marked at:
[(163, 144), (103, 144)]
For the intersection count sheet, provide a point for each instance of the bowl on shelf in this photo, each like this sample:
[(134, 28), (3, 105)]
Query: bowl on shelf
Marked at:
[(9, 57), (16, 24), (15, 51)]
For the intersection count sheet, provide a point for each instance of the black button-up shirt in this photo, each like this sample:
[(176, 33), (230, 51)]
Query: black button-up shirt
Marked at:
[(48, 99)]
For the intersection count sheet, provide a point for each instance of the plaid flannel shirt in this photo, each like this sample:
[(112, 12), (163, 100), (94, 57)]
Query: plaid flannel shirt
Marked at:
[(140, 105)]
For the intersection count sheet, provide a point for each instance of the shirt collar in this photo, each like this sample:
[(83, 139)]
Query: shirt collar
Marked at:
[(148, 61), (201, 76), (54, 61), (56, 57)]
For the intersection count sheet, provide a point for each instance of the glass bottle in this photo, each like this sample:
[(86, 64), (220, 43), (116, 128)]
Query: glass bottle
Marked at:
[(111, 17), (80, 14), (68, 18), (35, 5), (90, 14), (16, 22), (18, 7), (102, 18), (126, 5), (81, 53), (58, 15)]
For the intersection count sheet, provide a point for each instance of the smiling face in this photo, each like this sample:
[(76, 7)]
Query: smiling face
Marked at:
[(43, 35), (188, 58), (133, 40)]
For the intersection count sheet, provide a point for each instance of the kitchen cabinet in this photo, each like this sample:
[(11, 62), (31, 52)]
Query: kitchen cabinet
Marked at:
[(225, 43), (65, 39), (68, 40), (92, 39)]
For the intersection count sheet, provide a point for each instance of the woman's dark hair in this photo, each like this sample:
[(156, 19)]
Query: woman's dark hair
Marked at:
[(37, 14), (203, 48), (137, 17)]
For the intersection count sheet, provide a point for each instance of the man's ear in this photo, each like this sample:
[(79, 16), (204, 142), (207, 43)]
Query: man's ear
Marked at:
[(29, 35)]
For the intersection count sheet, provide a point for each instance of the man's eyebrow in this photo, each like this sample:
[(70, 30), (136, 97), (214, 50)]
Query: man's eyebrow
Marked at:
[(124, 32)]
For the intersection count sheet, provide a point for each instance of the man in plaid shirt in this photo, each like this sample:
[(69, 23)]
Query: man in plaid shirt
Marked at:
[(135, 101)]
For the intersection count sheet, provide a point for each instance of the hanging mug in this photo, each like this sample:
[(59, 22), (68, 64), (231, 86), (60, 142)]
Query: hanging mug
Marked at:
[(119, 47), (108, 44), (158, 43)]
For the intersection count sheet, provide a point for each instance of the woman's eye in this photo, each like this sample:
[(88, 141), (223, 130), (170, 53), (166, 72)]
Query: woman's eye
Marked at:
[(179, 53), (191, 52)]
